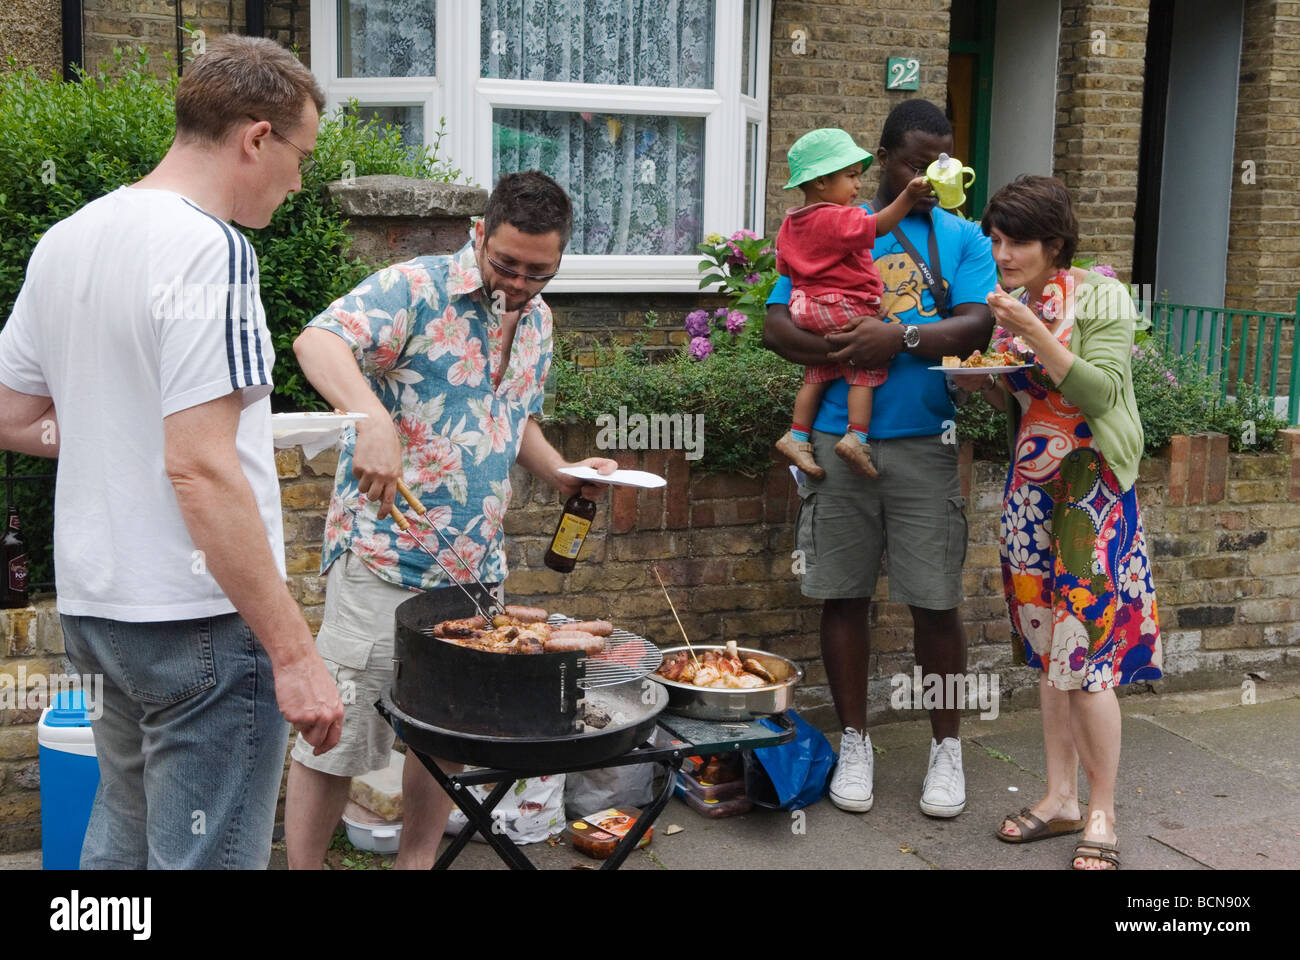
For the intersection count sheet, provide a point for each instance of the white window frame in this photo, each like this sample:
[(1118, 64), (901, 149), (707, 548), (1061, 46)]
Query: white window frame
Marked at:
[(467, 101)]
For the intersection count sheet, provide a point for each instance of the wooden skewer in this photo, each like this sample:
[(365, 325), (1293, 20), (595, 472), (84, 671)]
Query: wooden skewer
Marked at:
[(675, 617)]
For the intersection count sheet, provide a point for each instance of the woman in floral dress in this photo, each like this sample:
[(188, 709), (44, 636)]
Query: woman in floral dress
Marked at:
[(1074, 559)]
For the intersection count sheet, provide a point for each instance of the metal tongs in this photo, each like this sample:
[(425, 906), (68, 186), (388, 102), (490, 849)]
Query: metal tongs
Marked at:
[(494, 604)]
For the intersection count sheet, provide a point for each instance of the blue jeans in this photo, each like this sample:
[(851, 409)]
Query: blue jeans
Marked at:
[(191, 743)]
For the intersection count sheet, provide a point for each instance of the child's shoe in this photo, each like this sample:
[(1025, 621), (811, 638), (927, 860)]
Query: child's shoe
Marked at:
[(800, 453), (856, 454)]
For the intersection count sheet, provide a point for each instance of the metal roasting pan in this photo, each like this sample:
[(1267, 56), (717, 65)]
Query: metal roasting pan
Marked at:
[(707, 703)]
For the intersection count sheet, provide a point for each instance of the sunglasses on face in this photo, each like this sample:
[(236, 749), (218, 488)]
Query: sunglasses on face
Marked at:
[(530, 277)]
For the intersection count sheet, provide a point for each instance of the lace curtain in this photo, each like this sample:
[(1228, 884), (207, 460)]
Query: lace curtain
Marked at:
[(383, 38), (636, 180)]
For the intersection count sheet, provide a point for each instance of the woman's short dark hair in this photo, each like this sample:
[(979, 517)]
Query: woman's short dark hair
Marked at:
[(531, 202), (1035, 208)]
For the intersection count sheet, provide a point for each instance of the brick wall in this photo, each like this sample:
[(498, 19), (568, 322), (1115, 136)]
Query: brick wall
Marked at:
[(31, 31), (128, 24), (1263, 236), (840, 80), (1223, 531), (1099, 122)]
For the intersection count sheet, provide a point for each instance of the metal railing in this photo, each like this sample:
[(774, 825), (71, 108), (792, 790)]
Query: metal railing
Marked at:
[(1236, 346)]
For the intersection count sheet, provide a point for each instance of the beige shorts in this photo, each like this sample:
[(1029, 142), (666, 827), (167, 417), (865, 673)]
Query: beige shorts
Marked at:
[(356, 642)]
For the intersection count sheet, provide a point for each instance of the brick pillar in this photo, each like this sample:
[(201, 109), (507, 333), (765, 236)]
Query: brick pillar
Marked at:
[(1099, 122), (31, 31), (838, 80), (394, 218)]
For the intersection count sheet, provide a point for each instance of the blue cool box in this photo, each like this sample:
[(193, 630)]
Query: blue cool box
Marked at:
[(69, 778)]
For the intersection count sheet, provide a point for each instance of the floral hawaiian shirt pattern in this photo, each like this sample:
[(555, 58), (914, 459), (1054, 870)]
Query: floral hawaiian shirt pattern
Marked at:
[(430, 347)]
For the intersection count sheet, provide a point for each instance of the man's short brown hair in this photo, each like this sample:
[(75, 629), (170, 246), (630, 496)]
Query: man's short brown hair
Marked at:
[(531, 202), (240, 77), (1035, 208)]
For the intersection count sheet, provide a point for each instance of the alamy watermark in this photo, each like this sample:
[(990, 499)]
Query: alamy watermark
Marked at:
[(658, 431), (36, 691), (951, 691)]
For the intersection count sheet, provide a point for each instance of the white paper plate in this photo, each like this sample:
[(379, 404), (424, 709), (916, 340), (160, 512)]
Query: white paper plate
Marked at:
[(619, 478), (286, 423), (978, 370)]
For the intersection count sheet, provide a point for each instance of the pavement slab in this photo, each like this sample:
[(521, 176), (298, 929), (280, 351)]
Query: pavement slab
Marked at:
[(1262, 737), (1250, 845)]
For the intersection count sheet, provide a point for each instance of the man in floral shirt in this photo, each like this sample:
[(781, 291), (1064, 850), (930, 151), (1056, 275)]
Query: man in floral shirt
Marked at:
[(447, 356)]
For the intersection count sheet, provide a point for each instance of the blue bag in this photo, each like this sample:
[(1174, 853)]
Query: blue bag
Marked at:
[(792, 775)]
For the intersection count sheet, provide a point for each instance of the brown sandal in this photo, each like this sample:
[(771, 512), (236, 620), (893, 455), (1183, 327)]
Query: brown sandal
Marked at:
[(1038, 830), (1096, 850)]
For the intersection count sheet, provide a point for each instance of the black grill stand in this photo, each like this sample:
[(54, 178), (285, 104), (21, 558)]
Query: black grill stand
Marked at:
[(680, 738)]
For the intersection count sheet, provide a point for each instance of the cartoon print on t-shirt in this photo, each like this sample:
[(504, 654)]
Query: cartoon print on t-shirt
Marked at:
[(903, 286)]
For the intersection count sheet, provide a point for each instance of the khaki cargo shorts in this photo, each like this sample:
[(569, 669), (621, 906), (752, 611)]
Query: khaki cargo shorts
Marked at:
[(356, 642), (914, 512)]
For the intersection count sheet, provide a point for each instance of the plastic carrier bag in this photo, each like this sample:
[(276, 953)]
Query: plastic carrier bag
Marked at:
[(793, 775)]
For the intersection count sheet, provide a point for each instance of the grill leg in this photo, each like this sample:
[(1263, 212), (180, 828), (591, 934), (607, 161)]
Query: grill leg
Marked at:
[(479, 816), (648, 815)]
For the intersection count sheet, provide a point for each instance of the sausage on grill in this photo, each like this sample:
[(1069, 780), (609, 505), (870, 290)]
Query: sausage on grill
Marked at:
[(570, 641)]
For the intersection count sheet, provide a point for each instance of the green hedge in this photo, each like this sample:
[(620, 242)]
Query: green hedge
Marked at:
[(65, 144), (747, 395)]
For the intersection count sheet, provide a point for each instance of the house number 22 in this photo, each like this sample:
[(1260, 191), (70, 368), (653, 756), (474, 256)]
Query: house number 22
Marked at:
[(903, 73)]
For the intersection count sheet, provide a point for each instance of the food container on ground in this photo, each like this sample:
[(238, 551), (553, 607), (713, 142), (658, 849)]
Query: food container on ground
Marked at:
[(369, 831), (713, 809), (711, 792), (597, 834)]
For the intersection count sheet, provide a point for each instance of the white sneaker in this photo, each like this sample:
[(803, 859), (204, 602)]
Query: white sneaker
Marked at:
[(851, 785), (944, 792)]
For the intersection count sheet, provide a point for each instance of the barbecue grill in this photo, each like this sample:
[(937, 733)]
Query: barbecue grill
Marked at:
[(458, 689)]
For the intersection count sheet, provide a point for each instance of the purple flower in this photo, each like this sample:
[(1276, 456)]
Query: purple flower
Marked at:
[(1104, 270), (765, 251), (1169, 375), (735, 321), (720, 317), (697, 323), (1077, 658), (753, 277), (700, 347), (737, 258)]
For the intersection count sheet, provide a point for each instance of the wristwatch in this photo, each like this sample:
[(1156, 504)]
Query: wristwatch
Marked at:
[(911, 337)]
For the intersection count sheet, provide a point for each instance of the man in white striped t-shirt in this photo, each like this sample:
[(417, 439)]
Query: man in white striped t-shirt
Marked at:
[(139, 323)]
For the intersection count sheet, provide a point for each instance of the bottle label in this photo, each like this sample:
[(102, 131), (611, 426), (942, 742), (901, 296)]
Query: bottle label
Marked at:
[(18, 574), (568, 539), (13, 522)]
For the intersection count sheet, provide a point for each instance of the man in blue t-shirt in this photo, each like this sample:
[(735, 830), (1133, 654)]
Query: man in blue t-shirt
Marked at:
[(915, 507)]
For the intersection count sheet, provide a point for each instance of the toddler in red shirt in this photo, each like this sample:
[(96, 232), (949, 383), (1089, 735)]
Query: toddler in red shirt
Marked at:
[(824, 247)]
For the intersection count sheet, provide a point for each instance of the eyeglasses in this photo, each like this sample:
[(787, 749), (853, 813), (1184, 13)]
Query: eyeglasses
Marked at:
[(307, 162), (530, 277)]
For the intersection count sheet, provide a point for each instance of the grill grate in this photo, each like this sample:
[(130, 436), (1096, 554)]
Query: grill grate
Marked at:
[(626, 657)]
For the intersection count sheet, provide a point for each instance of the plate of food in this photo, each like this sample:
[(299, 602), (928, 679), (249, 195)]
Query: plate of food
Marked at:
[(313, 431), (619, 478), (999, 361)]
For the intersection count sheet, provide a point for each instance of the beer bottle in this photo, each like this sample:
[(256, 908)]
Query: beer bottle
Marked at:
[(14, 552), (570, 532)]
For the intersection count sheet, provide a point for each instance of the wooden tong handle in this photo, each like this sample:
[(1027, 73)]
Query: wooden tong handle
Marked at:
[(411, 498), (398, 519)]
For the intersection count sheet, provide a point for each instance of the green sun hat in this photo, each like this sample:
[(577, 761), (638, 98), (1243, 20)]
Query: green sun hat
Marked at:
[(823, 151)]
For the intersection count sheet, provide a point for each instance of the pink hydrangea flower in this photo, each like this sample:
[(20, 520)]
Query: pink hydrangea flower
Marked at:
[(1105, 270), (735, 321), (700, 347)]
